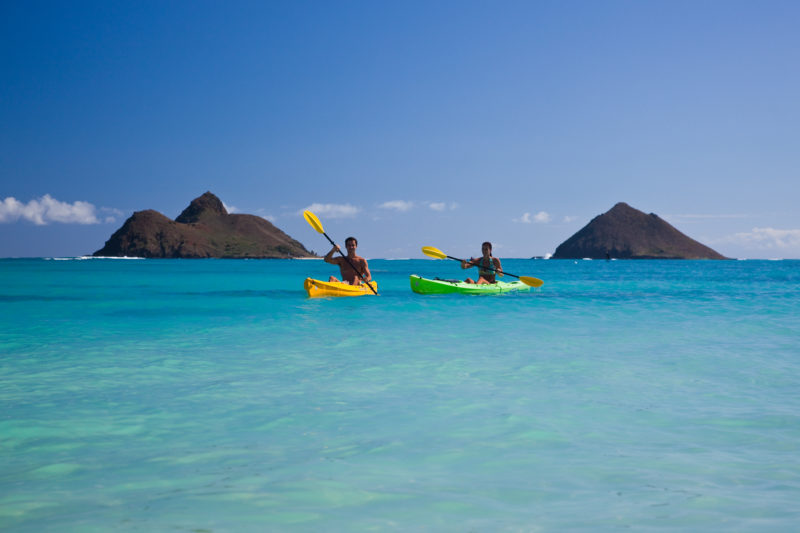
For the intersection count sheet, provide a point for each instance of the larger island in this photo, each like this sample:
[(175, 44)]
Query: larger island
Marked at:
[(205, 229), (627, 233)]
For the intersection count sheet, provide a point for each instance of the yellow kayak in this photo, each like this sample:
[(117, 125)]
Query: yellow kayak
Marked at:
[(316, 288)]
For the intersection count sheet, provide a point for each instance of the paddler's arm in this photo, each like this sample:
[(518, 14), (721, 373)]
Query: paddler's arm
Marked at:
[(329, 256), (468, 264), (365, 271), (498, 267)]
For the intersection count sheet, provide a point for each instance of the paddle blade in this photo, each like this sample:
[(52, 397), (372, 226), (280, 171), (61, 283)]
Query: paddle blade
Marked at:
[(312, 219), (533, 282), (433, 252)]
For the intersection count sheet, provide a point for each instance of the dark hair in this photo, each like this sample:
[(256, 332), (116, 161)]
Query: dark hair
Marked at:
[(487, 243), (351, 239)]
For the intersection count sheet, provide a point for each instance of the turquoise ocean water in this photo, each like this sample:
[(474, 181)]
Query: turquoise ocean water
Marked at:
[(213, 396)]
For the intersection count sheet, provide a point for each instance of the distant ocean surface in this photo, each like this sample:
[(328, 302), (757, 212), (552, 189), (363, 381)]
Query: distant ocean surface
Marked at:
[(213, 396)]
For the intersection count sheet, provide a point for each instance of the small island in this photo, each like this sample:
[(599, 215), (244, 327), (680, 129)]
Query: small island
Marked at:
[(627, 233), (205, 229)]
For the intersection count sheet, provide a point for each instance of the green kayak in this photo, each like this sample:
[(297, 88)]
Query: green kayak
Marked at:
[(448, 286)]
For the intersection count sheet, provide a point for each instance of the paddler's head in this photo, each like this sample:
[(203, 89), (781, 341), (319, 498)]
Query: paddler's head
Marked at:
[(351, 244), (486, 248)]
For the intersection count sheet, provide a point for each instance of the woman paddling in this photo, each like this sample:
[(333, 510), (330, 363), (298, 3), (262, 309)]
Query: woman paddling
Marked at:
[(487, 265)]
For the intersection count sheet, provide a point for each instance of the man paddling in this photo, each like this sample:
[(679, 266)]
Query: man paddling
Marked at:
[(487, 265), (348, 274)]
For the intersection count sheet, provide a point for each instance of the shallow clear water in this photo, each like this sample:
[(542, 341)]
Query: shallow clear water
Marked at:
[(176, 395)]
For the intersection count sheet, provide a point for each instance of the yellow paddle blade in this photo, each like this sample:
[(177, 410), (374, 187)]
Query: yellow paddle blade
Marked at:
[(433, 252), (533, 282), (312, 219)]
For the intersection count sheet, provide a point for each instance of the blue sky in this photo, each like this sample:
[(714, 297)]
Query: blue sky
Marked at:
[(404, 123)]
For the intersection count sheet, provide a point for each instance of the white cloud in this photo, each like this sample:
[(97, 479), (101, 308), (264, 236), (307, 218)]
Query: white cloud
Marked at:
[(442, 206), (47, 209), (398, 205), (568, 219), (767, 239), (334, 210), (541, 217), (231, 209)]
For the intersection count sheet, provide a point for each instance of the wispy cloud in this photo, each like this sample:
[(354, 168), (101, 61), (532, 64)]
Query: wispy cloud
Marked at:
[(698, 216), (45, 210), (334, 210), (442, 206), (397, 205), (542, 217), (110, 214), (767, 239), (260, 212), (230, 208)]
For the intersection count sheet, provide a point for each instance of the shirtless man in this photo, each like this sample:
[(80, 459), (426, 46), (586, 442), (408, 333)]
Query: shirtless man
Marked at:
[(488, 266), (348, 274)]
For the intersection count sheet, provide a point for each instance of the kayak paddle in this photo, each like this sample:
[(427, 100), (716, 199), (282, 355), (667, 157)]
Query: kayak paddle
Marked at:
[(438, 254), (312, 219)]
